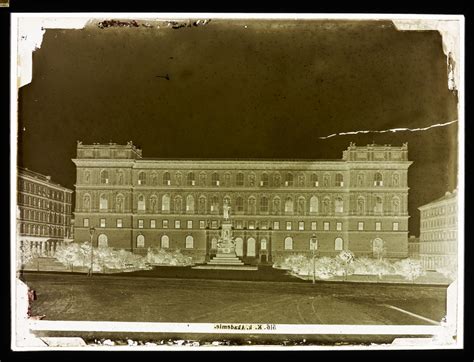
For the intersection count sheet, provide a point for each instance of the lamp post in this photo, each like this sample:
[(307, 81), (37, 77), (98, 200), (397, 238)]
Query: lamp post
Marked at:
[(314, 247), (91, 232)]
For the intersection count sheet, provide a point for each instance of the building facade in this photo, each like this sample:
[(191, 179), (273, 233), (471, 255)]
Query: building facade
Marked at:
[(44, 211), (414, 247), (438, 232), (359, 202)]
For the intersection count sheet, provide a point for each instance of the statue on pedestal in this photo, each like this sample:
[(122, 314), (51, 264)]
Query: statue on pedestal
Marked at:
[(226, 210)]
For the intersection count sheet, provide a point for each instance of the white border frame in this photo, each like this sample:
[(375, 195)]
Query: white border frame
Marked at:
[(205, 327)]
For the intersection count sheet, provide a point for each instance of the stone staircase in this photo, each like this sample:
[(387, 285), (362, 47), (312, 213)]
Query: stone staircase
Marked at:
[(225, 259)]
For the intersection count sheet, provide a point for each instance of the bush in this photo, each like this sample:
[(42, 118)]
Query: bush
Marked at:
[(103, 258), (164, 257), (450, 270)]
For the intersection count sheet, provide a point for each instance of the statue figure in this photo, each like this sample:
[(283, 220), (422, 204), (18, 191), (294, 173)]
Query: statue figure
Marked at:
[(226, 208)]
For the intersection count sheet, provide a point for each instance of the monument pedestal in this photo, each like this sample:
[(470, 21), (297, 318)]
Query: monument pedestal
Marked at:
[(226, 258)]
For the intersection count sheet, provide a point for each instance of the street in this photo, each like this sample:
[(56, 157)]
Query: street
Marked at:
[(145, 299)]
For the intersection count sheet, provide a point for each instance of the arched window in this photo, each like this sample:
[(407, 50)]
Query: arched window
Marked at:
[(154, 179), (276, 180), (251, 205), (251, 179), (289, 179), (250, 247), (239, 180), (202, 204), (190, 179), (378, 204), (396, 205), (326, 179), (87, 202), (263, 244), (120, 177), (239, 204), (215, 179), (102, 241), (190, 204), (215, 204), (119, 203), (178, 204), (314, 204), (289, 205), (140, 241), (264, 204), (142, 178), (361, 205), (227, 179), (314, 180), (202, 178), (338, 244), (103, 205), (339, 205), (166, 178), (378, 180), (104, 177), (339, 180), (264, 180), (301, 205), (326, 205), (276, 205), (239, 246), (141, 203), (189, 242), (154, 203), (165, 242), (165, 203), (214, 243), (288, 243)]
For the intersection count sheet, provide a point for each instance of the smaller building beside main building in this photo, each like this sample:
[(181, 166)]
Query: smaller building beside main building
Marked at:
[(438, 231), (44, 211)]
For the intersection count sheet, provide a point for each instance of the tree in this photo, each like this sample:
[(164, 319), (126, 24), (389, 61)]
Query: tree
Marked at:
[(409, 268)]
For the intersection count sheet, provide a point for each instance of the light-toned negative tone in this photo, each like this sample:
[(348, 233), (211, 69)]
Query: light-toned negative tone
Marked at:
[(192, 181)]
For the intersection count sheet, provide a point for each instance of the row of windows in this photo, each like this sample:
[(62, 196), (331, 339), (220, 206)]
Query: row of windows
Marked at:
[(250, 249), (43, 191), (40, 203), (239, 179), (327, 205), (40, 230), (439, 222), (439, 235), (288, 225), (41, 216), (437, 211), (438, 247)]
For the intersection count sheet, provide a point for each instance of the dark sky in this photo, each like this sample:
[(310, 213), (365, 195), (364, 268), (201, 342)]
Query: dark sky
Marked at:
[(266, 90)]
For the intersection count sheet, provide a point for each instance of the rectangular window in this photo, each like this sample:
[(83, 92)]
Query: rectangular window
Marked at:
[(140, 223), (86, 223), (214, 224), (190, 224), (339, 226), (326, 226), (165, 224), (263, 225), (251, 225), (395, 226), (276, 225), (314, 225), (177, 224), (378, 226), (238, 224), (119, 223), (152, 224), (202, 224), (301, 225), (360, 226), (288, 225), (102, 223)]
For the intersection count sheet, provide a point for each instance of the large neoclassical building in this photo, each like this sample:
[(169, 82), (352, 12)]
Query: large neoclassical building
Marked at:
[(358, 202)]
